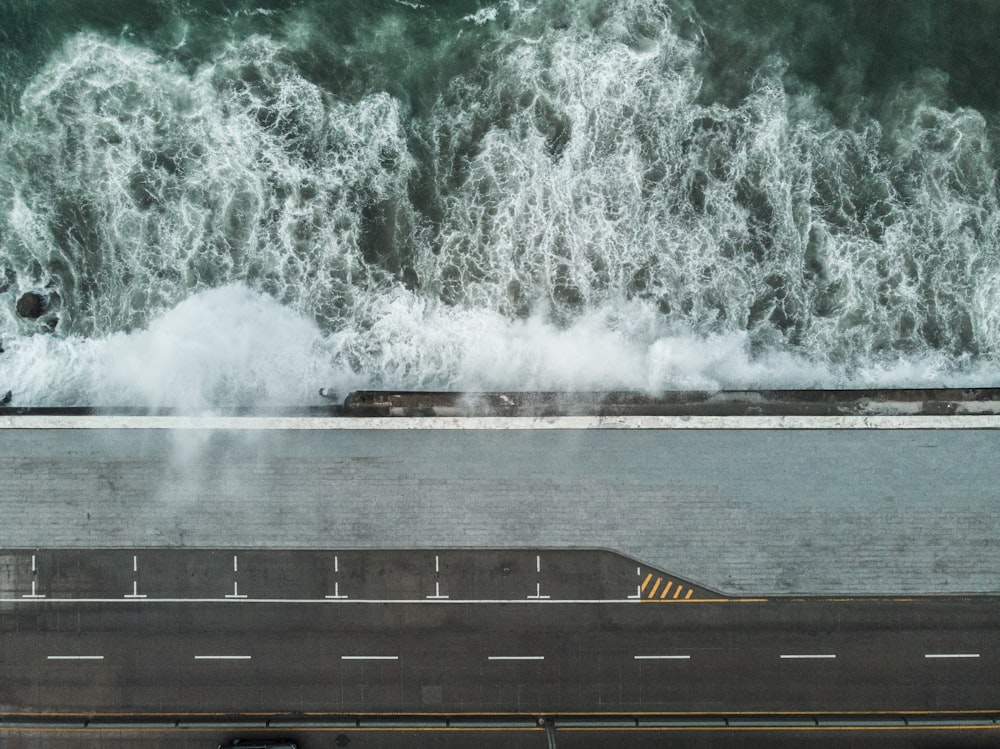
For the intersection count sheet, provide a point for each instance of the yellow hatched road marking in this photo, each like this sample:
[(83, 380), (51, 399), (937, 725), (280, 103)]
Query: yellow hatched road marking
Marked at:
[(670, 584), (689, 593), (678, 591), (655, 586), (646, 582)]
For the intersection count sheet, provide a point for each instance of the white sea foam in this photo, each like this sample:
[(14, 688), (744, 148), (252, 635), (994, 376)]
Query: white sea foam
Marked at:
[(600, 178), (414, 343), (481, 16), (584, 221), (234, 347), (132, 184)]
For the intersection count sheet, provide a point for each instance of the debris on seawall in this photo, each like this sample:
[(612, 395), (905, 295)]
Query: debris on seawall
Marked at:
[(882, 402)]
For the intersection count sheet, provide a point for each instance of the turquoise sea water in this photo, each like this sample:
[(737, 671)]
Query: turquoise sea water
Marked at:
[(240, 202)]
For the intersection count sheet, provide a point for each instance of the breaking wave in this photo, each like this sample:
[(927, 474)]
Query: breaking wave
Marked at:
[(237, 208)]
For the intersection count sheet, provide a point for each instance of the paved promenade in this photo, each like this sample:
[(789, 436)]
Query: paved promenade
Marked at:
[(758, 511)]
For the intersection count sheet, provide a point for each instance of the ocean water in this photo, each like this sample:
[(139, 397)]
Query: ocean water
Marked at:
[(239, 202)]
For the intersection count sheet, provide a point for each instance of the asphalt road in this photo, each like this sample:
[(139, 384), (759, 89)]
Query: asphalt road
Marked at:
[(458, 648), (538, 658), (533, 632), (354, 575)]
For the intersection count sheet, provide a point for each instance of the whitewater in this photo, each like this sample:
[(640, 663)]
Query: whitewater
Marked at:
[(237, 204)]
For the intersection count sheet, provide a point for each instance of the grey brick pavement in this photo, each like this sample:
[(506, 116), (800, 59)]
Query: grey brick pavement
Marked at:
[(746, 512)]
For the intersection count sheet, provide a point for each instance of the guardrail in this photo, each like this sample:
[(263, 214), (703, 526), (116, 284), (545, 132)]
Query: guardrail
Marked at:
[(512, 721)]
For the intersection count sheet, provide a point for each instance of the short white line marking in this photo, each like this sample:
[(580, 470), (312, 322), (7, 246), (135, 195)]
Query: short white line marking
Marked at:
[(336, 591), (76, 657), (951, 655), (369, 657), (538, 593), (662, 657), (33, 594), (538, 563), (135, 563), (222, 657), (437, 563), (516, 658), (336, 564), (236, 567), (236, 592), (800, 656), (638, 592), (135, 591), (437, 591), (33, 569)]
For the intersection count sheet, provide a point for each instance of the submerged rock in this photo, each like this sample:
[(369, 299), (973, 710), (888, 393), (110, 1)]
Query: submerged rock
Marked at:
[(31, 304), (7, 397)]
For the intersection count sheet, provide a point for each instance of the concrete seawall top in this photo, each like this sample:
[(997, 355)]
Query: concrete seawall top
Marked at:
[(603, 406)]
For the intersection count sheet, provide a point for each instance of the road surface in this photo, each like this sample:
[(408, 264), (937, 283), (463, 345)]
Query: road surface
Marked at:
[(758, 511)]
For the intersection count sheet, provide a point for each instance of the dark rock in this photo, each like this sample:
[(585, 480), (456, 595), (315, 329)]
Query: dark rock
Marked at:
[(31, 305), (7, 397)]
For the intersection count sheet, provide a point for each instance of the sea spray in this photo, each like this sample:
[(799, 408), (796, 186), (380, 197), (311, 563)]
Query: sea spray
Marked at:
[(224, 347)]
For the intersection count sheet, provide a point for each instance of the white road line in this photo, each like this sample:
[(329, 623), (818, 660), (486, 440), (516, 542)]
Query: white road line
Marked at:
[(437, 591), (662, 657), (516, 658), (437, 563), (33, 569), (236, 567), (538, 563), (33, 594), (135, 563), (336, 564), (236, 592), (75, 657), (135, 591), (336, 591), (538, 593), (527, 601), (793, 656), (951, 655), (369, 657), (222, 657)]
